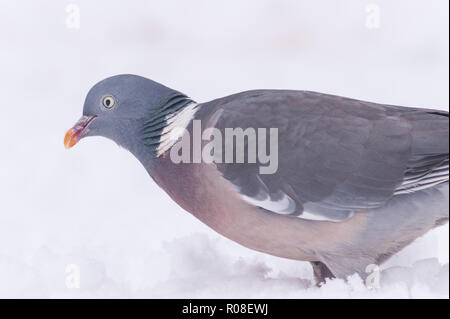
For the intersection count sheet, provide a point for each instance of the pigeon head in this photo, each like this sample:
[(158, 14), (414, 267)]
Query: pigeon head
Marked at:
[(123, 108)]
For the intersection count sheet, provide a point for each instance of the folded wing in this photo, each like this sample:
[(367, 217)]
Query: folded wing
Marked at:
[(335, 155)]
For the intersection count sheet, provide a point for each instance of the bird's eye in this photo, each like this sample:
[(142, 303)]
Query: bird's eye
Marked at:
[(108, 102)]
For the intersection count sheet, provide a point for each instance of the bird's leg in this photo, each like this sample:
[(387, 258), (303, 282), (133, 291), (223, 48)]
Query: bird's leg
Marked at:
[(321, 272)]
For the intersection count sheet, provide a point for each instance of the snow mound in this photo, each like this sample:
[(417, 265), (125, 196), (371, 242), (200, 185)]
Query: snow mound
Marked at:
[(199, 266)]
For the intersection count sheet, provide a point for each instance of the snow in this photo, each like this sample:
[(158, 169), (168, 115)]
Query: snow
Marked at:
[(95, 212), (200, 266)]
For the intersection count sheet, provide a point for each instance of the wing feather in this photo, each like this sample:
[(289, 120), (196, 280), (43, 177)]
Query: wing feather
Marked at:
[(336, 155)]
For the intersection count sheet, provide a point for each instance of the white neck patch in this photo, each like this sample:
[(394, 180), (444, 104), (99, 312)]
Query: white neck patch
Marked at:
[(175, 128)]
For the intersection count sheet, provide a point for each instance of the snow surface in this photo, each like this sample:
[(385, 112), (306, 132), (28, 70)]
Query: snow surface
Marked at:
[(95, 207)]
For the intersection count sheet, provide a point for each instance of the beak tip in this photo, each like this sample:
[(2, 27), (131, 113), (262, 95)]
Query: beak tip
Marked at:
[(68, 140)]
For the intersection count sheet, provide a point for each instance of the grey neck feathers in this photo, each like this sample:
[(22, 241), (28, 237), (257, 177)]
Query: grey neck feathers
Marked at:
[(154, 127)]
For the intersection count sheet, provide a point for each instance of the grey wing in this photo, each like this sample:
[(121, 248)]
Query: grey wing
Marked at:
[(335, 155), (428, 164)]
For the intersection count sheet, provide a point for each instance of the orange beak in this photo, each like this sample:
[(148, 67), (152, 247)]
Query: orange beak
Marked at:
[(78, 131)]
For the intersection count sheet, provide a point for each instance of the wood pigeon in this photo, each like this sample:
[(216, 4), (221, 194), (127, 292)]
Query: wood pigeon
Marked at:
[(353, 183)]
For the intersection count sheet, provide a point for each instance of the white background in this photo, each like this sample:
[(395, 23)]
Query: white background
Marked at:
[(95, 206)]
